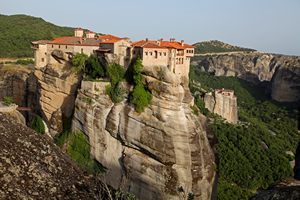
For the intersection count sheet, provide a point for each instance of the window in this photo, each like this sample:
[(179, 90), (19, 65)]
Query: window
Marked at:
[(59, 46), (160, 53), (146, 53), (43, 59), (81, 50), (52, 46), (155, 54), (134, 52), (165, 54), (150, 53), (66, 46)]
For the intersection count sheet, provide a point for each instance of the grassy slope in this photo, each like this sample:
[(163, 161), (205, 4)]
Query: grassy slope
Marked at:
[(215, 46), (252, 155), (17, 31)]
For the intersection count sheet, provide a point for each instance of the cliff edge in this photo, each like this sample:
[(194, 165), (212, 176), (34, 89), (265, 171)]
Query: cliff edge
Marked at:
[(162, 153)]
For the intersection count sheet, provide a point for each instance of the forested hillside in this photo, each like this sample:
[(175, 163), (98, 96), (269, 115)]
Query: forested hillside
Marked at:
[(17, 31), (215, 46), (256, 153)]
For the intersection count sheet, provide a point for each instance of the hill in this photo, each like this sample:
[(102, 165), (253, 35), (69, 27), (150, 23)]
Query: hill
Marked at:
[(215, 46), (17, 31)]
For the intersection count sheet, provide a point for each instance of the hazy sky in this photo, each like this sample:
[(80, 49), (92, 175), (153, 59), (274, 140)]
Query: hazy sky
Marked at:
[(266, 25)]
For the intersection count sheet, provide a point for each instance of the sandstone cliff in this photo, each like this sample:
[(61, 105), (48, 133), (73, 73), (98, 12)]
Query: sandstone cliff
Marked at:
[(281, 72), (223, 103), (162, 153), (32, 167), (55, 87)]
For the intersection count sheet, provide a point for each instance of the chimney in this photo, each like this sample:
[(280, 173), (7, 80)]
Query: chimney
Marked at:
[(78, 32), (146, 39), (172, 40), (182, 42)]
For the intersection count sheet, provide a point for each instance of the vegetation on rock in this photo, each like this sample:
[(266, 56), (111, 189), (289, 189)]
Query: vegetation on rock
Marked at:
[(79, 151), (252, 155), (8, 100), (116, 75), (17, 31), (37, 124), (140, 96)]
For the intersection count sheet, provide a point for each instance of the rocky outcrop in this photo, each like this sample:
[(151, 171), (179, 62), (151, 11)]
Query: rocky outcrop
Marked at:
[(162, 153), (281, 72), (55, 86), (224, 103), (14, 83), (32, 167), (289, 190)]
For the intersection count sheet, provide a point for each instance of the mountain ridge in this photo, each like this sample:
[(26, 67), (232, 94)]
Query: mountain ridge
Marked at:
[(216, 46)]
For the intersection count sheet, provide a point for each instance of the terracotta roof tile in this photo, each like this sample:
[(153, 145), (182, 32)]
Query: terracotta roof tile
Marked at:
[(77, 41), (160, 44)]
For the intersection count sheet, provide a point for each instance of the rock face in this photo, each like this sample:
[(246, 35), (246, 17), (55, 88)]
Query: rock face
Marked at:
[(281, 72), (283, 191), (162, 153), (32, 167), (224, 103), (14, 83), (55, 87)]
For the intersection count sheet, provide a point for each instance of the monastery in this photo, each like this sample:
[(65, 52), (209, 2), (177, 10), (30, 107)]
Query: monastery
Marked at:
[(175, 55)]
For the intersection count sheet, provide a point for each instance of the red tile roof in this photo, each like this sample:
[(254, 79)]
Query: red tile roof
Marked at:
[(108, 37), (160, 44), (77, 41)]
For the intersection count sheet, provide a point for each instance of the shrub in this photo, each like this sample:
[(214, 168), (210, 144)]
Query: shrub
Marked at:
[(141, 98), (115, 73), (25, 61), (79, 151), (116, 93), (8, 100), (79, 61), (37, 124), (93, 68)]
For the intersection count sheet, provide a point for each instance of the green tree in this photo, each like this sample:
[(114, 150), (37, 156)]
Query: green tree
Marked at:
[(140, 96), (79, 62), (93, 67)]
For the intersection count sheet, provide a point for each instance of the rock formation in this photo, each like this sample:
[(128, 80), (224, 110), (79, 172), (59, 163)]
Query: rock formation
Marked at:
[(281, 72), (162, 153), (32, 167), (14, 83), (224, 103), (55, 86)]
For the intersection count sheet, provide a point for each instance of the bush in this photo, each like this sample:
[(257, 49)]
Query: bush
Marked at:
[(25, 61), (37, 124), (115, 73), (116, 93), (79, 151), (8, 100), (79, 62), (93, 68), (141, 98)]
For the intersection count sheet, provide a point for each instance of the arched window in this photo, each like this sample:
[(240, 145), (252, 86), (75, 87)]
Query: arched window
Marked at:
[(155, 54)]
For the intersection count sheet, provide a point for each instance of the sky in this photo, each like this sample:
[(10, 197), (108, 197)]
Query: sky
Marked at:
[(266, 25)]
